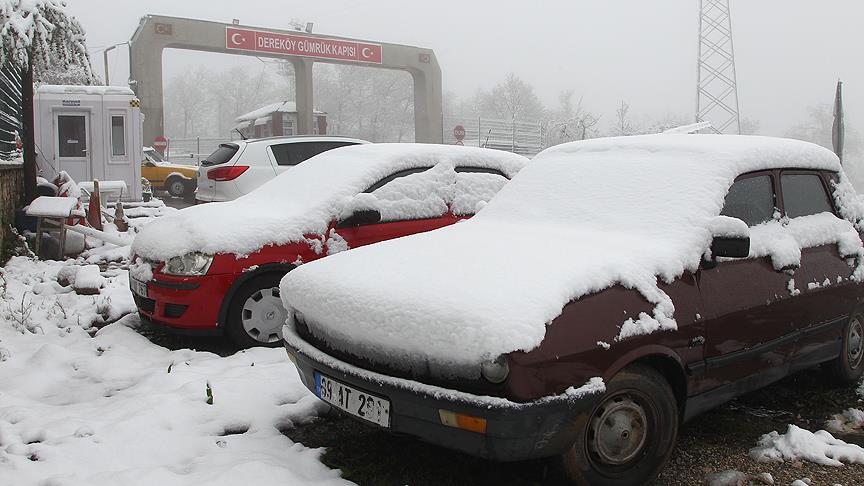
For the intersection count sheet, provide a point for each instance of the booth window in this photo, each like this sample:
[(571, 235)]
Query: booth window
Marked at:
[(287, 125), (118, 135)]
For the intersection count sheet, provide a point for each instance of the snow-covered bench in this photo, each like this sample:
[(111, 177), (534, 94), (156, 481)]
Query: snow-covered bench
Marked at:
[(51, 213)]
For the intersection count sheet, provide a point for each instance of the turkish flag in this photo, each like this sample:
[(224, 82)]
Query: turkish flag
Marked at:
[(239, 39)]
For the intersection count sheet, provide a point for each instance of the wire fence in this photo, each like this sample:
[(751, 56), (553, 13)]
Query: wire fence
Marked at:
[(191, 151), (521, 137), (10, 111)]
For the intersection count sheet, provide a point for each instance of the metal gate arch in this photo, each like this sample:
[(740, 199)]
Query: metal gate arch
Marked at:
[(155, 33)]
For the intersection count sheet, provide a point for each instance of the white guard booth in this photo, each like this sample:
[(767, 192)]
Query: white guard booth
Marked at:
[(91, 132)]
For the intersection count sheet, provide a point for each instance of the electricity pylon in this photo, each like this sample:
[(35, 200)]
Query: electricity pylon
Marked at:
[(717, 90)]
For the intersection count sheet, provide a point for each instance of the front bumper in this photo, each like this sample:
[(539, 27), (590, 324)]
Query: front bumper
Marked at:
[(514, 431), (185, 304)]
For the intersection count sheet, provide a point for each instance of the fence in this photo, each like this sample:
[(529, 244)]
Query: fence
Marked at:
[(191, 151), (11, 199), (521, 137), (10, 111)]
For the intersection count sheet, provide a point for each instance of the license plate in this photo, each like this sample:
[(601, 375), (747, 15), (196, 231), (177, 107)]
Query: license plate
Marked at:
[(356, 402), (138, 287)]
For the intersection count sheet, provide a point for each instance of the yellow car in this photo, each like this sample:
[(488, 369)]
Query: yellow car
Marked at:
[(177, 180)]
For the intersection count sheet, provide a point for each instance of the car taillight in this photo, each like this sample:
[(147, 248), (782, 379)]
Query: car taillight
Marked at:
[(226, 173)]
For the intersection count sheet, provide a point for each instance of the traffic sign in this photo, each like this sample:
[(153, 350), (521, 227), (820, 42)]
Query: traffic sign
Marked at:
[(459, 133), (160, 143)]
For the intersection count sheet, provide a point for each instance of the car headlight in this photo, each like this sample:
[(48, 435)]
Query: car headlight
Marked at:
[(495, 371), (188, 264)]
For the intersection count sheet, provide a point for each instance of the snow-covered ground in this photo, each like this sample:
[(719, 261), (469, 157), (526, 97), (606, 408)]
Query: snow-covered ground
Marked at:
[(81, 406)]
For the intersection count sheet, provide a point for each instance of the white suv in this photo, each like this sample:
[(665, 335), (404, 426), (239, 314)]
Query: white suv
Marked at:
[(236, 168)]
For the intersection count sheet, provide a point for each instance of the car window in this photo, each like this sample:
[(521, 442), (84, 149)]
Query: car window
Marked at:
[(804, 194), (751, 200), (480, 170), (293, 153), (221, 155), (419, 193), (475, 186), (392, 177)]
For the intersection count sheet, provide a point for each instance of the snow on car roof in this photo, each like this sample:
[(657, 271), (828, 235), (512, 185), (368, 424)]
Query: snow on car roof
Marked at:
[(301, 201), (580, 218)]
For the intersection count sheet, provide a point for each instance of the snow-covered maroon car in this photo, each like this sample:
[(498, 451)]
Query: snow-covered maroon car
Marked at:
[(614, 288), (215, 268)]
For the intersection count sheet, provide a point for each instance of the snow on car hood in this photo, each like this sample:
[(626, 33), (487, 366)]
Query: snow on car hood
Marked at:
[(580, 218), (301, 201)]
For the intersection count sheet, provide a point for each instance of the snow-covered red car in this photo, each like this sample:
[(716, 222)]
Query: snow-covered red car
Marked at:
[(215, 268), (613, 289)]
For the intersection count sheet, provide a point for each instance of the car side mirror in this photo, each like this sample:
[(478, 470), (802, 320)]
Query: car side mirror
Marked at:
[(359, 218), (730, 238), (730, 246)]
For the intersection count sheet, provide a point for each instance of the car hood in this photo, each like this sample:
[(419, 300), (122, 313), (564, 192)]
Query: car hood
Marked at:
[(179, 168), (577, 220)]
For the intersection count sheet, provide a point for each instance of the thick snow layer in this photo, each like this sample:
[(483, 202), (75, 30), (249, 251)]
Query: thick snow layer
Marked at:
[(52, 206), (77, 89), (580, 218), (80, 407), (305, 199), (799, 444), (266, 110)]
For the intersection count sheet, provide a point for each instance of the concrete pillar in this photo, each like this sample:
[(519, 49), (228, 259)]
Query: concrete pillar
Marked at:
[(145, 71), (428, 125), (304, 89)]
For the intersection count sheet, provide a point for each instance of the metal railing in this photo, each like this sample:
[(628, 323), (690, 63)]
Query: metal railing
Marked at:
[(191, 151), (521, 137)]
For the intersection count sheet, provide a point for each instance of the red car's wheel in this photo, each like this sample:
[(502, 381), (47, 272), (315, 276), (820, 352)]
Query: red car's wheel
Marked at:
[(256, 314)]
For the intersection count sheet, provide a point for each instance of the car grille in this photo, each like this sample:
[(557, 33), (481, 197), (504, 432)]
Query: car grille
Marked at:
[(145, 304), (471, 386), (174, 310)]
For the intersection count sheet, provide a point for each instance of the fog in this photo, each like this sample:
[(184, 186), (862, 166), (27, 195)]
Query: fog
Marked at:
[(789, 52)]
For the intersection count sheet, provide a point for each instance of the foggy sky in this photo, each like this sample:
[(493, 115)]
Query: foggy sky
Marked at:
[(789, 53)]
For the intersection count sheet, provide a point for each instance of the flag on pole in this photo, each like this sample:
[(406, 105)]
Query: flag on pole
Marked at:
[(838, 131)]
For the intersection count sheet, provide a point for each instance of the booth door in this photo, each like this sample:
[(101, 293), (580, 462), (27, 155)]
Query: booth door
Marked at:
[(73, 145)]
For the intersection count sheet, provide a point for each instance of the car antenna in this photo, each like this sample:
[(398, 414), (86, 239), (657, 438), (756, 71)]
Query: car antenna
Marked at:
[(241, 134)]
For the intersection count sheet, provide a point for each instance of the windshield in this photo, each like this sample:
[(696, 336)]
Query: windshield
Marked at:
[(153, 155)]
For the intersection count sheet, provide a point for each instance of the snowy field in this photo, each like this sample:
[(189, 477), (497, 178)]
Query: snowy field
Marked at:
[(87, 400), (88, 407)]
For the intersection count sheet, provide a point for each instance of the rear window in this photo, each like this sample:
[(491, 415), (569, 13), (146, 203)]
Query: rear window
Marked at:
[(804, 194), (751, 200), (221, 155), (296, 152)]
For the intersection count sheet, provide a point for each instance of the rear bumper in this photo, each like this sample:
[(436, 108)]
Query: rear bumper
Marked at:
[(185, 305), (514, 431)]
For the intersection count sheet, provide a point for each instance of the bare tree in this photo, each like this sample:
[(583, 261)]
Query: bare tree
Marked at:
[(569, 122), (186, 103), (623, 124), (512, 99), (36, 36)]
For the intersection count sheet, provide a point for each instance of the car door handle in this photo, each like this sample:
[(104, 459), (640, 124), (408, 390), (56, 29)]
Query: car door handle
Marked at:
[(697, 341)]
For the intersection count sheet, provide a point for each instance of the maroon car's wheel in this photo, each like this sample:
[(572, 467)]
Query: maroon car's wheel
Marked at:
[(849, 366), (256, 314), (629, 436)]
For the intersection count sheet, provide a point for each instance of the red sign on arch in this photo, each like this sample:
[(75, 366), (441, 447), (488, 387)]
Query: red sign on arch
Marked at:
[(301, 45)]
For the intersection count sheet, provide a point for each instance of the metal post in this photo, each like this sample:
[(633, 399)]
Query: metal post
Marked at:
[(105, 59)]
